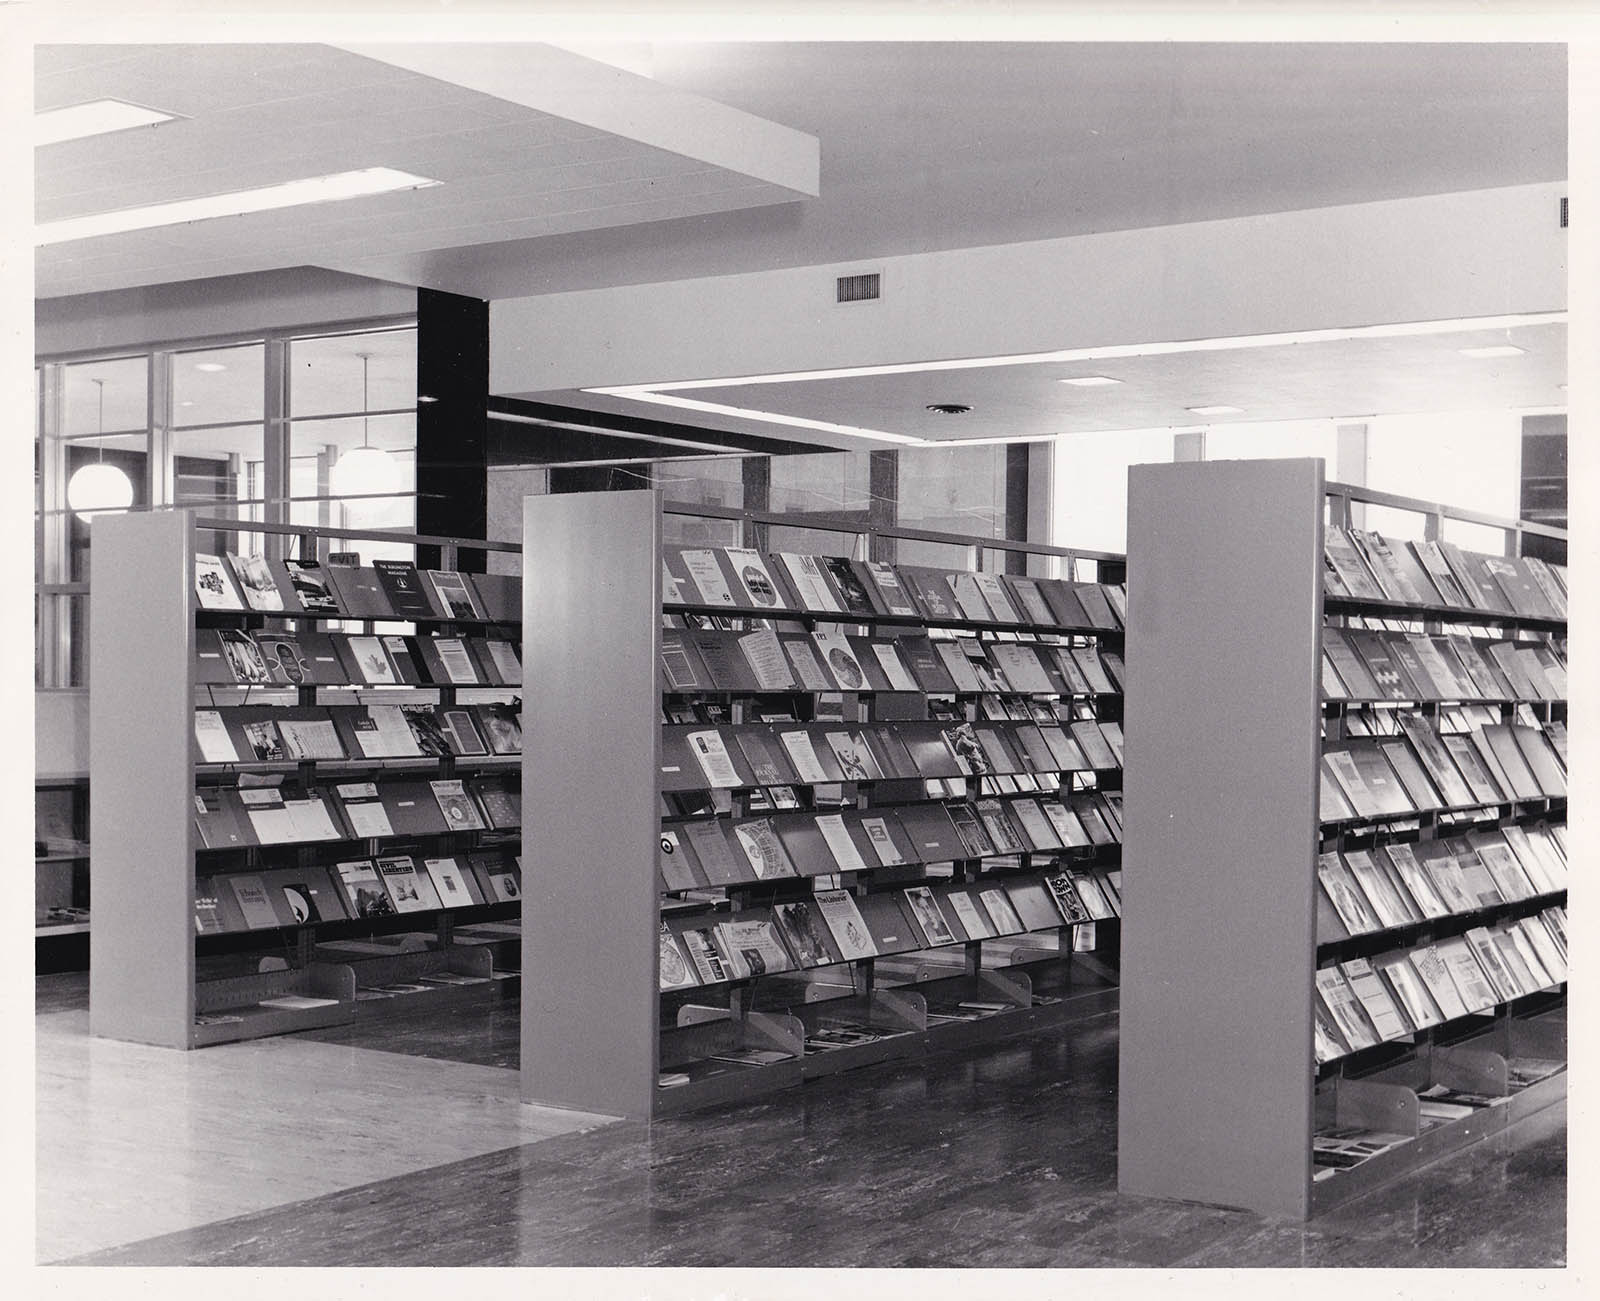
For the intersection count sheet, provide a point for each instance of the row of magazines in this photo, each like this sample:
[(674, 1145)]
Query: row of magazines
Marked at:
[(743, 579), (765, 660), (1369, 664), (744, 755), (1363, 891), (385, 589), (1367, 1001), (834, 926), (1423, 770), (359, 889), (1370, 567), (233, 657), (284, 812), (715, 852), (309, 733)]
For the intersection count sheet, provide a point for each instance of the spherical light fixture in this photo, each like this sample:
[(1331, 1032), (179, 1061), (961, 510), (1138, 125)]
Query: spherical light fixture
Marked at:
[(364, 471), (98, 487)]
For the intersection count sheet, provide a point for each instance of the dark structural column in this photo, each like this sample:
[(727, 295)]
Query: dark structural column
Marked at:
[(452, 422)]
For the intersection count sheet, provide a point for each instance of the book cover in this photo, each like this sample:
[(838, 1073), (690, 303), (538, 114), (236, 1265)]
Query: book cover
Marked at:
[(1434, 973), (360, 592), (368, 662), (456, 805), (1347, 899), (711, 753), (452, 882), (1418, 788), (813, 590), (310, 738), (844, 921), (754, 945), (287, 664), (1030, 601), (1396, 569), (969, 598), (1475, 578), (219, 820), (1033, 902), (1351, 568), (706, 575), (853, 588), (706, 954), (1419, 886), (1087, 660), (1064, 894), (455, 597), (759, 840), (930, 591), (673, 967), (854, 756), (243, 658), (256, 583), (1020, 664), (207, 909), (1374, 998), (1345, 1008), (1002, 831), (263, 742), (888, 923), (894, 596), (1387, 904), (764, 654), (1473, 986), (802, 926), (1408, 989), (840, 660), (969, 913), (407, 891), (1441, 575), (305, 586), (254, 902), (895, 672), (211, 736), (760, 590), (214, 587), (997, 598), (925, 910), (1097, 606), (715, 855), (405, 588), (501, 727), (841, 847)]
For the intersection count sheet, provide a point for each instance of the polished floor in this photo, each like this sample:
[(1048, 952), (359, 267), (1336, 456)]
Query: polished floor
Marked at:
[(1001, 1155)]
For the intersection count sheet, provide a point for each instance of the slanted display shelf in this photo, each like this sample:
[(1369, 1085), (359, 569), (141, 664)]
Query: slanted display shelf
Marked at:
[(838, 810), (1349, 758), (304, 779)]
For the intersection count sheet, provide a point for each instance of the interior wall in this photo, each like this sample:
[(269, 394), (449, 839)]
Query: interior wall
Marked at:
[(1483, 253), (200, 309)]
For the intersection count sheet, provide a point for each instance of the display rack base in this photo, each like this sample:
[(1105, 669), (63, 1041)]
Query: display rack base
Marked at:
[(375, 971), (1388, 1102), (236, 1002)]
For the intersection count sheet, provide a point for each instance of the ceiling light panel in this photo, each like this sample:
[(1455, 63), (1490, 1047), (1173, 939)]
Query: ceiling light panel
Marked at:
[(1090, 381), (291, 194), (1221, 410), (1493, 350), (93, 118)]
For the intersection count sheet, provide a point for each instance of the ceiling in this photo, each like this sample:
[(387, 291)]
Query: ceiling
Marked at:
[(922, 147)]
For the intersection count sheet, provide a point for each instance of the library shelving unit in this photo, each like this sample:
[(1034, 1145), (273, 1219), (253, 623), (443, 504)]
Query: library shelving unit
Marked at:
[(609, 783), (1228, 1069), (171, 964)]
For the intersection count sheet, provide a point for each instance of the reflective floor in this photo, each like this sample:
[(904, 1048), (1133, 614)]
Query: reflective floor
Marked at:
[(1000, 1155)]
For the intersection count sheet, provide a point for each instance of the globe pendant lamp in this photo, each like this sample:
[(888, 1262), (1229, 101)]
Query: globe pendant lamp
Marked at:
[(364, 471), (98, 487)]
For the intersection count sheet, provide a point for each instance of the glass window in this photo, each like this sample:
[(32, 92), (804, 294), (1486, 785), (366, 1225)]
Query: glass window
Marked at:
[(1467, 459), (710, 482), (827, 483), (1090, 485), (951, 490), (219, 386), (105, 396), (326, 373)]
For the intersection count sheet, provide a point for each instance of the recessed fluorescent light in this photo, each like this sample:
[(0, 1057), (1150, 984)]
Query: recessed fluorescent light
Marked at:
[(1493, 350), (1090, 381), (97, 117), (210, 367), (290, 194), (1217, 411)]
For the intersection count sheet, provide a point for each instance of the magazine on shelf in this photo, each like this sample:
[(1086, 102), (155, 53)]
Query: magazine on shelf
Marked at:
[(454, 594), (457, 806), (254, 902), (802, 925), (753, 945), (673, 968), (407, 891), (406, 589), (214, 586)]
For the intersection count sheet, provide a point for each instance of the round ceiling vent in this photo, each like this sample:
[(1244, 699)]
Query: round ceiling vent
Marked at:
[(949, 408)]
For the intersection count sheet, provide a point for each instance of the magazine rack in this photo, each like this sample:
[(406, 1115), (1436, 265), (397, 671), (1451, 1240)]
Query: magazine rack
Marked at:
[(598, 1032), (1219, 1091), (147, 982)]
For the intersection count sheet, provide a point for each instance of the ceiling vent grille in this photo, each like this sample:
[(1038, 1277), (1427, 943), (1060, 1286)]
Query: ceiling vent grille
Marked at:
[(858, 289), (1563, 212)]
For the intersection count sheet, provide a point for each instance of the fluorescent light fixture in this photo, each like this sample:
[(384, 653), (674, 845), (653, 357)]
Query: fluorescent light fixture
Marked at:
[(1493, 350), (1217, 411), (662, 393), (95, 118), (990, 442), (516, 417), (290, 194), (1090, 381), (210, 367)]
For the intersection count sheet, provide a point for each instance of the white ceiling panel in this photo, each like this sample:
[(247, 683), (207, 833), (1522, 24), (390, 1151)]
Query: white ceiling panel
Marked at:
[(258, 115)]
